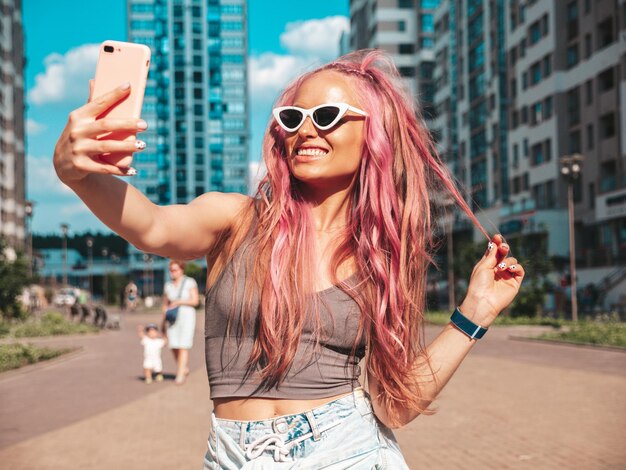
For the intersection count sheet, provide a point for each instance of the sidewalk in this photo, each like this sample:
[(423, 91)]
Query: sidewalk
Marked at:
[(511, 405)]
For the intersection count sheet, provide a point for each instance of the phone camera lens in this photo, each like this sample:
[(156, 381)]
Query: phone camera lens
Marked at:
[(108, 49)]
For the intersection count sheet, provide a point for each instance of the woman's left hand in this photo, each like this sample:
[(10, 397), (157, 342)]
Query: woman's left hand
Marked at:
[(494, 283)]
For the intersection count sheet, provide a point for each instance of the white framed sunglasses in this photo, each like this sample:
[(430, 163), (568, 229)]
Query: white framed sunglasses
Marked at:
[(323, 116)]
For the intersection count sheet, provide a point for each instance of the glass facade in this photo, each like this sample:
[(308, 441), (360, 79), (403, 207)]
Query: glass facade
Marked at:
[(196, 101)]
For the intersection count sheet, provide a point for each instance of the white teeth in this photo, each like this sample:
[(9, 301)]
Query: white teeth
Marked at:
[(311, 152)]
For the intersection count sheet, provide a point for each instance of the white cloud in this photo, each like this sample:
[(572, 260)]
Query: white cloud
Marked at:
[(34, 128), (43, 181), (269, 73), (309, 44), (318, 37), (66, 77)]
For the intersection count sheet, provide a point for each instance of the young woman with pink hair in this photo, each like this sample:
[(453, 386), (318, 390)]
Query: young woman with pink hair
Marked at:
[(324, 270)]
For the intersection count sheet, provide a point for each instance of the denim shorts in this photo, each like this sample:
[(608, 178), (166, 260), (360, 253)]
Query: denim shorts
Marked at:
[(338, 435)]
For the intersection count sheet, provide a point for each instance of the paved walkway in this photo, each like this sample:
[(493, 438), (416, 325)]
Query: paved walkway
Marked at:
[(511, 405)]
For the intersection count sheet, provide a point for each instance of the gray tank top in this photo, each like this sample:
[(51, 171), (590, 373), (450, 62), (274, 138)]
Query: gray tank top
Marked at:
[(316, 372)]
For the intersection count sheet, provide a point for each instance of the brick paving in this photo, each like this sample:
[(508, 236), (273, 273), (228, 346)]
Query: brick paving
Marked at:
[(511, 405)]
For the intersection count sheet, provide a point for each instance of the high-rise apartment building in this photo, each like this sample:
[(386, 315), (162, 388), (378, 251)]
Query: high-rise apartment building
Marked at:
[(471, 105), (518, 84), (12, 152), (196, 102), (567, 82), (404, 29)]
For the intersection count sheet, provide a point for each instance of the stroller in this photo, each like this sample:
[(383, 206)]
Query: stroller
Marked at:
[(100, 318)]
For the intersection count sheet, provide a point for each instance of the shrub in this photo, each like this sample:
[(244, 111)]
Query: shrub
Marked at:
[(51, 324), (590, 332), (17, 355)]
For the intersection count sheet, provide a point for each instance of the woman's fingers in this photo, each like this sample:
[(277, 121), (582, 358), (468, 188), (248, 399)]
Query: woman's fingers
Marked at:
[(497, 250), (103, 126), (506, 264), (88, 165), (99, 147), (98, 105)]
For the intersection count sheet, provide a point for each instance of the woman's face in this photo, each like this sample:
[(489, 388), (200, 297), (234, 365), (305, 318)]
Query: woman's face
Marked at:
[(175, 271), (333, 156)]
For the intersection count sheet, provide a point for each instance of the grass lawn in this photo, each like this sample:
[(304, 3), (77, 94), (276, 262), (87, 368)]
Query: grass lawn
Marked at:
[(602, 333), (17, 355), (50, 324), (589, 332), (443, 318)]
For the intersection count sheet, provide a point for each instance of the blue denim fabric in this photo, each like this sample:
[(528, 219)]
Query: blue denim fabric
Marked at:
[(339, 435)]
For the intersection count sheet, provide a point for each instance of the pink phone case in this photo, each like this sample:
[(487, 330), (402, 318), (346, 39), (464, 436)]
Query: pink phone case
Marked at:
[(125, 62)]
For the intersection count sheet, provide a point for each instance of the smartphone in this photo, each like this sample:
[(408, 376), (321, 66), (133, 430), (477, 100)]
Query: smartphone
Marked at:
[(118, 63)]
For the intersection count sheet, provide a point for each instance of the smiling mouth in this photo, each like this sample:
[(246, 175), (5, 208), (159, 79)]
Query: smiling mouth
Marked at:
[(311, 152)]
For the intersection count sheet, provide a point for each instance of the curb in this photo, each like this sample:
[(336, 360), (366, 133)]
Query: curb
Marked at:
[(558, 342)]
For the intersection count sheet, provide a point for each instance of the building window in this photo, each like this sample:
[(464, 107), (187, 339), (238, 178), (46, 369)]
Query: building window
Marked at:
[(589, 136), (535, 73), (401, 25), (547, 65), (536, 113), (606, 80), (405, 4), (572, 20), (427, 24), (588, 46), (536, 154), (607, 126), (547, 108), (605, 33), (524, 114), (406, 48), (588, 92), (573, 106), (572, 55), (574, 142), (407, 71), (534, 33), (547, 148)]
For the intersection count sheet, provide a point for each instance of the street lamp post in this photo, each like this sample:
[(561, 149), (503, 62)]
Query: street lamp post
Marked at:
[(64, 229), (451, 282), (105, 281), (28, 210), (570, 169), (90, 267)]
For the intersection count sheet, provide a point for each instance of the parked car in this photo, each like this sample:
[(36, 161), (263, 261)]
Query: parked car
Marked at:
[(66, 297)]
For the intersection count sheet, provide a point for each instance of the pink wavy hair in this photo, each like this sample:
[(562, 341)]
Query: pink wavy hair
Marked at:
[(389, 235)]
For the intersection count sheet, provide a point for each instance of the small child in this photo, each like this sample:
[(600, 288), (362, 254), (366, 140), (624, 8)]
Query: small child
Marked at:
[(152, 343)]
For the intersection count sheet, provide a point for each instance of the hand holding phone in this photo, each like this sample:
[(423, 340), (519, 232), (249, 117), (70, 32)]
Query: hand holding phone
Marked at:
[(100, 137), (122, 62)]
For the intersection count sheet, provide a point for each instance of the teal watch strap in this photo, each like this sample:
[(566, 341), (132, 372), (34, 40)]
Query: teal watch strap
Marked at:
[(466, 325)]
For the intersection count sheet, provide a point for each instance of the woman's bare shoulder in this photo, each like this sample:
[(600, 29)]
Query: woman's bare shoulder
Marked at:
[(225, 209)]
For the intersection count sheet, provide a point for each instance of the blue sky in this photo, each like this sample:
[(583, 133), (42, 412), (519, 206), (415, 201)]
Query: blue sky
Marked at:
[(61, 56)]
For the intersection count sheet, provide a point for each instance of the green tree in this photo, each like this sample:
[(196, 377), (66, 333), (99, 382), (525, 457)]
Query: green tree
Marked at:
[(13, 278), (530, 251), (195, 271), (115, 286)]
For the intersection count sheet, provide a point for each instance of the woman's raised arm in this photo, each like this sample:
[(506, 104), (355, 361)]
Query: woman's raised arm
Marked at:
[(177, 231)]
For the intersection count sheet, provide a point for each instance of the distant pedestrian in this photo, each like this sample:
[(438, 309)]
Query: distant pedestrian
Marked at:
[(180, 293), (131, 296), (152, 343)]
